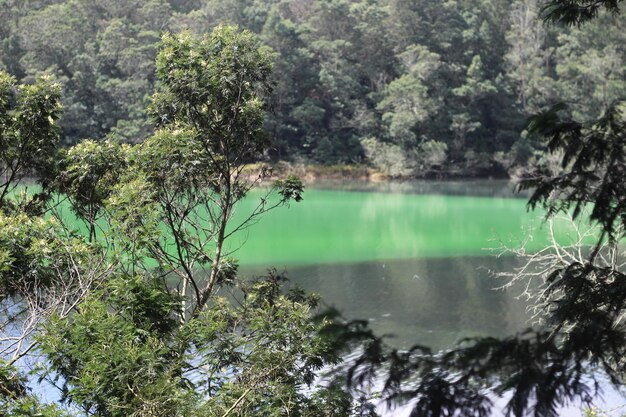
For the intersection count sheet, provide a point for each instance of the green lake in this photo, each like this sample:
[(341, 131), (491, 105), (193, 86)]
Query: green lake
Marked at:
[(417, 260), (414, 259)]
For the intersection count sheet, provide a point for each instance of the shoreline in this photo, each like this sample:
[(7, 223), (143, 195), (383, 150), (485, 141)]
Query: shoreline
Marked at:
[(311, 172)]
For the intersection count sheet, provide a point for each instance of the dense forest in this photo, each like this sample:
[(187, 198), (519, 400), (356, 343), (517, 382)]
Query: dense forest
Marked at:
[(413, 88)]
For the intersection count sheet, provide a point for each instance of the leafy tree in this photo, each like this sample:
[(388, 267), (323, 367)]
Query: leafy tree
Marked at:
[(16, 400), (576, 12), (29, 133), (474, 93), (296, 118), (129, 320), (104, 58), (350, 74), (589, 64), (87, 175), (432, 154), (389, 158), (10, 48), (412, 100), (210, 112)]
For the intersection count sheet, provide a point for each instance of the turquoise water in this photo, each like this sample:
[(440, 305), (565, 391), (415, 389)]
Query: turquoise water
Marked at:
[(339, 226)]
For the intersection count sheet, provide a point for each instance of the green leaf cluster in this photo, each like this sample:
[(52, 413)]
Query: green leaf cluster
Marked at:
[(29, 131)]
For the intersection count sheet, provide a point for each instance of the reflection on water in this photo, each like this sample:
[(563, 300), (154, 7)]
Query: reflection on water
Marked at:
[(428, 301)]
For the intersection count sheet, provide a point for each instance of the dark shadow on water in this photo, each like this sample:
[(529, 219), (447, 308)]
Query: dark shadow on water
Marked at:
[(430, 301)]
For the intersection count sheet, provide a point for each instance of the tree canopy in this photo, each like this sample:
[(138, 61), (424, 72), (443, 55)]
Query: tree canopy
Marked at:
[(351, 76)]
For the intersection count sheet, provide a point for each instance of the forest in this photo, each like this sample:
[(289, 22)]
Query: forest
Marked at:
[(413, 88)]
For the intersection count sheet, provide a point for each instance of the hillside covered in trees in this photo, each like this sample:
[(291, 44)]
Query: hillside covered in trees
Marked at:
[(413, 88)]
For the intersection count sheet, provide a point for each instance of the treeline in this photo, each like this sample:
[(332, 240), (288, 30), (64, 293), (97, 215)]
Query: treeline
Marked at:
[(413, 87)]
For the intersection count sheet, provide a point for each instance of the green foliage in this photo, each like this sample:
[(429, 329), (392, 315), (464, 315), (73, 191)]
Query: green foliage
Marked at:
[(134, 216), (594, 160), (212, 83), (432, 154), (124, 353), (463, 73), (210, 114), (263, 354), (175, 159), (591, 66), (129, 322), (88, 173), (32, 252), (475, 87), (16, 400), (410, 100), (388, 157), (104, 58), (140, 330), (290, 189), (116, 356), (576, 12), (527, 60), (29, 133), (595, 412)]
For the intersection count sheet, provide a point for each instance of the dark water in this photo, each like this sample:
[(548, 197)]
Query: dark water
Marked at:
[(428, 301)]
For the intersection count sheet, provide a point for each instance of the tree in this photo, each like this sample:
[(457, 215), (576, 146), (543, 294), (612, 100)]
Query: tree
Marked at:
[(87, 174), (29, 133), (103, 56), (17, 401), (474, 93), (528, 58), (138, 327), (589, 64), (577, 12), (411, 100), (210, 112), (295, 118)]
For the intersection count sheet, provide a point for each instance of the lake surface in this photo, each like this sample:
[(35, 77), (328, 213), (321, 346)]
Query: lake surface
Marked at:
[(414, 259), (334, 225)]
